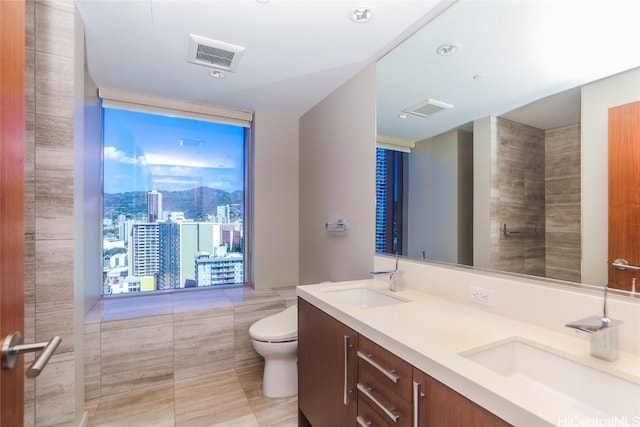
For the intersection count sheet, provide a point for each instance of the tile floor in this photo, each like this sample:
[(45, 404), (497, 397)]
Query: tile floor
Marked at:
[(228, 398)]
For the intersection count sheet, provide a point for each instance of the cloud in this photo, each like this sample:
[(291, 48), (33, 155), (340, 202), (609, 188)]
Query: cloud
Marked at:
[(113, 154)]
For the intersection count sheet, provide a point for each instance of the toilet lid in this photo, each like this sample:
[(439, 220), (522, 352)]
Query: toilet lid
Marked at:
[(281, 326)]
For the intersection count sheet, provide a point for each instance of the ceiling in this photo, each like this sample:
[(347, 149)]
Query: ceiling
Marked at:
[(299, 51), (518, 51), (296, 52)]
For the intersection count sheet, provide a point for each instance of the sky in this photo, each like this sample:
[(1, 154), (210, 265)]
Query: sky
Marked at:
[(144, 152)]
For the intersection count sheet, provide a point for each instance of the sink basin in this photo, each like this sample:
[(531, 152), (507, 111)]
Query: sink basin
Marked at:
[(364, 297), (584, 389)]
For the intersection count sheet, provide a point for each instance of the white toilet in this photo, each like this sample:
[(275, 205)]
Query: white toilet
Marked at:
[(276, 339)]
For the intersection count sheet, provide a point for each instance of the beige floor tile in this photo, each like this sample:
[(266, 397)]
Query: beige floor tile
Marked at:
[(231, 398), (210, 400), (247, 421), (270, 412), (153, 406), (250, 378)]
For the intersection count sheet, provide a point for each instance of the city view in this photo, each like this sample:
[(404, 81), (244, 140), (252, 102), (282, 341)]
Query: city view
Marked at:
[(173, 203)]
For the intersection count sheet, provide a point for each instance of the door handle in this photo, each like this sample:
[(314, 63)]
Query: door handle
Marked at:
[(12, 348), (622, 264)]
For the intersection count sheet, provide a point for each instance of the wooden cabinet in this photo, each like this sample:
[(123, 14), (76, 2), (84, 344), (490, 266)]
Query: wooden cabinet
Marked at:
[(345, 379), (384, 383), (440, 406), (326, 369)]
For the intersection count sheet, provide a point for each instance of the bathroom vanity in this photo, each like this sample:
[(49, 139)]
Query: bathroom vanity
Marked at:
[(345, 377), (372, 357)]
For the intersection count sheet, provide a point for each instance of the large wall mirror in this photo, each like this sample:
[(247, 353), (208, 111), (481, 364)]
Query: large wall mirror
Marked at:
[(492, 128)]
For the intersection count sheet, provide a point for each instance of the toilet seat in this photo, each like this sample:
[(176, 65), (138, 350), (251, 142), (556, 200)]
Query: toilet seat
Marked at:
[(280, 327)]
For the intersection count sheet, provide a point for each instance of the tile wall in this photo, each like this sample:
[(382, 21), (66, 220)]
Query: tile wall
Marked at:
[(49, 88), (518, 199), (563, 203), (147, 341)]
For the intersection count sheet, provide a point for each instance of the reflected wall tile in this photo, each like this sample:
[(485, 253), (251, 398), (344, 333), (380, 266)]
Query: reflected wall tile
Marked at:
[(55, 393)]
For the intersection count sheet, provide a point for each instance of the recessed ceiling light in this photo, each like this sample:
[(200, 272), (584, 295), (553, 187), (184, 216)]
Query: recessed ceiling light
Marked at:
[(403, 116), (361, 15), (447, 49), (217, 74)]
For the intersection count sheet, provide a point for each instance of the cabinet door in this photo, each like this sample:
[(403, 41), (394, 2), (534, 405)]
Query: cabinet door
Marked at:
[(440, 406), (326, 369)]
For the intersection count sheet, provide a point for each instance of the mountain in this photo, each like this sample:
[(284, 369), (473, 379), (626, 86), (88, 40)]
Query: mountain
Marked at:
[(196, 203)]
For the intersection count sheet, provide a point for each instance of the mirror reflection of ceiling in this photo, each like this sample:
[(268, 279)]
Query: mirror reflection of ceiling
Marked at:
[(510, 53)]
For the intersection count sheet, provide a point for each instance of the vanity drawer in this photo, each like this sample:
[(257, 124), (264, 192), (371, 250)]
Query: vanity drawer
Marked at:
[(385, 402), (388, 368), (367, 417)]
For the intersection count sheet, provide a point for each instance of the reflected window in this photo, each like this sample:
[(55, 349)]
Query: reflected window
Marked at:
[(389, 200)]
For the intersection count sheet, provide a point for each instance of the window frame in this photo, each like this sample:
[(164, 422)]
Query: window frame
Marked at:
[(170, 108)]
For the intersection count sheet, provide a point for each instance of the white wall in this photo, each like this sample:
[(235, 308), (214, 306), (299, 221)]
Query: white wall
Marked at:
[(597, 98), (337, 180), (275, 200), (433, 198), (484, 131)]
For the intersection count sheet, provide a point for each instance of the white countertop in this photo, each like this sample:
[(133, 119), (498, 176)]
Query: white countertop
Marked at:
[(431, 333)]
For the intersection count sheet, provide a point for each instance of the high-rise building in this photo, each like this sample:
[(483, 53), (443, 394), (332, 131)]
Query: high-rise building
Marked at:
[(224, 214), (154, 206), (169, 258), (144, 249), (216, 271)]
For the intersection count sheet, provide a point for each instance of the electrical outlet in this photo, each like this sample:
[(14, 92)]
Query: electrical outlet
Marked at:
[(481, 295)]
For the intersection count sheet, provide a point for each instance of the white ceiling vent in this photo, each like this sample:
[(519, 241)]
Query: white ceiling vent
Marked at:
[(427, 108), (213, 53)]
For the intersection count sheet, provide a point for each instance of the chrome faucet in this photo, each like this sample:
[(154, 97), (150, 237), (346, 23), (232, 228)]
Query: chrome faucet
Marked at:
[(392, 275), (603, 331)]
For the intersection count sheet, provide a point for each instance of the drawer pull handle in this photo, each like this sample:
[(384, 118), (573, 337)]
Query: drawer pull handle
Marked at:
[(362, 422), (417, 395), (387, 373), (345, 391), (367, 392)]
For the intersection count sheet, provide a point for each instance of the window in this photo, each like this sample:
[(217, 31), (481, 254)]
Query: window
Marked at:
[(389, 200), (173, 202)]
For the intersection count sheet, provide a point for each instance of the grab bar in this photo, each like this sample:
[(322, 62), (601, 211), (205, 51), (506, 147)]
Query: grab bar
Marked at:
[(508, 232)]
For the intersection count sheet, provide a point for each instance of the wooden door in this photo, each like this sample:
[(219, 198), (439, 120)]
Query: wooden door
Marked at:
[(326, 369), (12, 44), (624, 194), (441, 406)]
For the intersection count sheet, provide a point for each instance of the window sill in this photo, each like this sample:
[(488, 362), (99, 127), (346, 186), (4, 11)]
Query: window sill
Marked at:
[(113, 309)]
